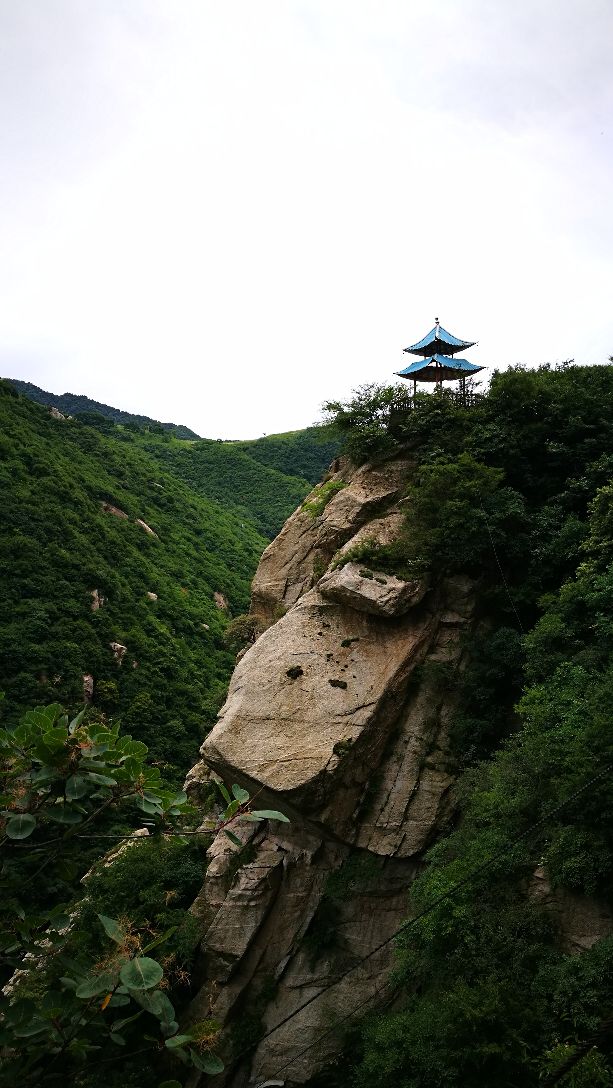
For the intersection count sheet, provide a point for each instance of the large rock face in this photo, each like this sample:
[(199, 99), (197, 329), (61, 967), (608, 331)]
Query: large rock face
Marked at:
[(306, 544), (335, 716)]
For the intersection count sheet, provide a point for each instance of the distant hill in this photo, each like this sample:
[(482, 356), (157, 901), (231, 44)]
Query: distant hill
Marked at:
[(265, 479), (73, 404), (262, 480), (306, 453)]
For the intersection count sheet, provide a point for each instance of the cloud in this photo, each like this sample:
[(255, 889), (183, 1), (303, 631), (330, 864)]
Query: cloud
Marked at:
[(225, 214)]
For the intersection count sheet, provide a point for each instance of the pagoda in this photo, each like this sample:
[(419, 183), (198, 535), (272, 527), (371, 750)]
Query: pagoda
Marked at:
[(438, 362)]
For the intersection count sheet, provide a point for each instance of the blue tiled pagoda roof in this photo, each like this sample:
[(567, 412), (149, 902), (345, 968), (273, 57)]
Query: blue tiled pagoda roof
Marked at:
[(448, 368), (439, 342)]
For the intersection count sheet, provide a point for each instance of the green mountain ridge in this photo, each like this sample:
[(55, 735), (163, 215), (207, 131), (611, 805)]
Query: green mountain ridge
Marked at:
[(76, 404)]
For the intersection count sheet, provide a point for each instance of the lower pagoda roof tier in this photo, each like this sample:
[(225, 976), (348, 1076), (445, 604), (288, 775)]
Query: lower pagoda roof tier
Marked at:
[(439, 368), (439, 342)]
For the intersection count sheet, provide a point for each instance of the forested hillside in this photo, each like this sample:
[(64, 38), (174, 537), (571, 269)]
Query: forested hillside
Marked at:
[(225, 473), (263, 480), (72, 500)]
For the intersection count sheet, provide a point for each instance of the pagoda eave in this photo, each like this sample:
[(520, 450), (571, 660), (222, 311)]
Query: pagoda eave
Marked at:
[(438, 374), (439, 342), (439, 368)]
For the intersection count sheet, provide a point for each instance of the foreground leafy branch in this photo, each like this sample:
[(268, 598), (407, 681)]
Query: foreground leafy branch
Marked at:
[(60, 778)]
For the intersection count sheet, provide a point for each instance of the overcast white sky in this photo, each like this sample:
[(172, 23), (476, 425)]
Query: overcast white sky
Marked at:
[(223, 212)]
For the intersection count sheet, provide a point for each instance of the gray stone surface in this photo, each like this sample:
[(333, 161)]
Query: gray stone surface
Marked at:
[(371, 591)]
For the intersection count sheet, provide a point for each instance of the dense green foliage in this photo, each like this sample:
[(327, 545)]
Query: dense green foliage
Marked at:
[(75, 945), (222, 471), (58, 545), (305, 453), (516, 491), (261, 480)]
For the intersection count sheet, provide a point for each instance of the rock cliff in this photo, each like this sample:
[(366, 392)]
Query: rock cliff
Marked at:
[(336, 716)]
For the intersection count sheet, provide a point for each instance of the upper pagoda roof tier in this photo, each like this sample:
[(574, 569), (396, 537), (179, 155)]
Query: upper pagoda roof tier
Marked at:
[(439, 368), (439, 341)]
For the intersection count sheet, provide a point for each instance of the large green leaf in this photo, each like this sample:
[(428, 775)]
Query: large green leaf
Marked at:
[(141, 973), (149, 807), (97, 984), (224, 793), (160, 940), (233, 838), (20, 826), (112, 929), (162, 1007), (35, 1027), (76, 787), (207, 1062), (100, 779), (270, 814), (178, 1040), (54, 739), (75, 723)]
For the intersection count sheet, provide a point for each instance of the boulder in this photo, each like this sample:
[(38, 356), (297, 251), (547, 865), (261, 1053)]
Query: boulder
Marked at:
[(108, 508), (374, 592), (97, 600), (119, 651), (319, 688)]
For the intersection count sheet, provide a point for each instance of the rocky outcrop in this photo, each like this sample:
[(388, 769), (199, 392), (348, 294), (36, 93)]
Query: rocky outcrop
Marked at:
[(108, 508), (220, 601), (88, 688), (582, 921), (336, 716), (97, 600), (373, 592), (147, 528), (119, 651), (306, 545)]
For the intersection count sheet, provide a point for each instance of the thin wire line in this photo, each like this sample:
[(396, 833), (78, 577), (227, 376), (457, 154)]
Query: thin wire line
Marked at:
[(489, 531), (410, 922)]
